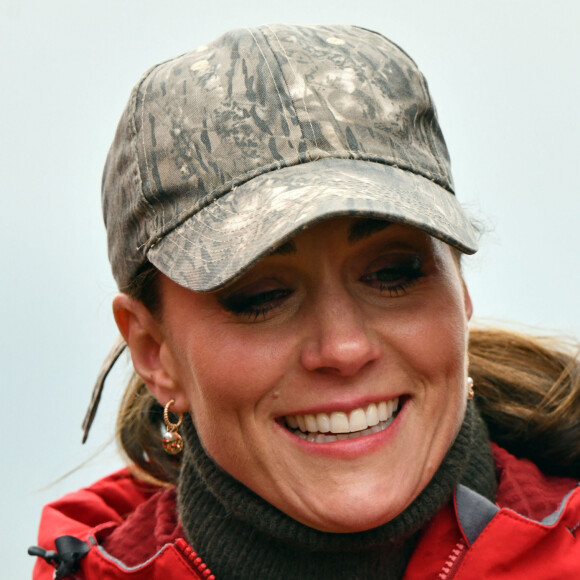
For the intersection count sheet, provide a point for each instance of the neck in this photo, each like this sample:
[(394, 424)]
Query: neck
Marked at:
[(240, 535)]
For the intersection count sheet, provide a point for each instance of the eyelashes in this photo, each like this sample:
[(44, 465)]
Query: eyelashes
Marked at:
[(397, 276), (391, 275), (257, 304)]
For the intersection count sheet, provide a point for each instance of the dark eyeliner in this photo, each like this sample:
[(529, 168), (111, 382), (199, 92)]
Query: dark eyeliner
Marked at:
[(254, 305), (396, 277)]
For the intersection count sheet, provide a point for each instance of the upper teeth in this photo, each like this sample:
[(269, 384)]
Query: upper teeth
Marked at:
[(340, 422)]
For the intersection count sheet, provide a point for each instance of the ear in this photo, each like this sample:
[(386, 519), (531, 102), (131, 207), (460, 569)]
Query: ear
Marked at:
[(151, 358)]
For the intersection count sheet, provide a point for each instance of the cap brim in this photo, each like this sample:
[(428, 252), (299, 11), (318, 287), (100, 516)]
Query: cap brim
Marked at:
[(224, 239)]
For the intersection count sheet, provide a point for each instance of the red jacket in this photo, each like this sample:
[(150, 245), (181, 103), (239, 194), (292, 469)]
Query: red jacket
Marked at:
[(132, 532)]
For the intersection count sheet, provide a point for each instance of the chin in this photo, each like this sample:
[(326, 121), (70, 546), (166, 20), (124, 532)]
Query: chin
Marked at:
[(353, 513), (344, 523)]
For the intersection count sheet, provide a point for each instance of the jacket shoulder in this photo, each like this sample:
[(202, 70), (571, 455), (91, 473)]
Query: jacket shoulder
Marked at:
[(531, 532), (106, 503), (109, 500), (129, 528), (524, 488)]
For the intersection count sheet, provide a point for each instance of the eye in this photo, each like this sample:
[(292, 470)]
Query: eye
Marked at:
[(255, 303), (394, 274)]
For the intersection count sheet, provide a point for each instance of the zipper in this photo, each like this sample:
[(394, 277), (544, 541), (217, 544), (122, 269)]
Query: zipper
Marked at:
[(192, 557), (574, 529), (453, 561), (447, 573)]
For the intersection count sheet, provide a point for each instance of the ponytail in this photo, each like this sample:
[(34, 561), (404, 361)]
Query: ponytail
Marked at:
[(528, 392)]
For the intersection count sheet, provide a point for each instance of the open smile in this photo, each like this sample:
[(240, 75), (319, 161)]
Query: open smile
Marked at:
[(337, 425)]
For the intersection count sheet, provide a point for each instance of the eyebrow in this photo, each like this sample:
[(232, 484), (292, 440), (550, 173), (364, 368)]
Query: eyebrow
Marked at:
[(366, 227), (359, 230)]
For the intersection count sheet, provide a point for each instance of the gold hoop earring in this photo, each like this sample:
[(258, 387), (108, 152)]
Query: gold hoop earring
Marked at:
[(470, 391), (172, 441)]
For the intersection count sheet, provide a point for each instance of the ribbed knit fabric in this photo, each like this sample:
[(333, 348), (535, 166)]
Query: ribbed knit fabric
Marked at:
[(241, 536)]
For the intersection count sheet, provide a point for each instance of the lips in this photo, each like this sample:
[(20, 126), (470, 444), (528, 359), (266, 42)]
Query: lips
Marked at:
[(337, 425)]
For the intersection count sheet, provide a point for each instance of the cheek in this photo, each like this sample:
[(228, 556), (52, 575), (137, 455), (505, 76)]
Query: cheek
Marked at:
[(434, 348), (228, 397), (436, 357), (230, 373), (436, 339), (446, 321), (445, 355), (445, 349)]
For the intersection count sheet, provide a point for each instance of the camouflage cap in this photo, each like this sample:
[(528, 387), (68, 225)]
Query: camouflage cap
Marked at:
[(224, 152)]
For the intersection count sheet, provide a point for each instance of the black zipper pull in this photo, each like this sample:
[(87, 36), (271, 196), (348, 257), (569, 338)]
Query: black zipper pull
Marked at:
[(66, 559)]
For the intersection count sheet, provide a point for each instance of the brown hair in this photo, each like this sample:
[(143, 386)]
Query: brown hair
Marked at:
[(527, 391)]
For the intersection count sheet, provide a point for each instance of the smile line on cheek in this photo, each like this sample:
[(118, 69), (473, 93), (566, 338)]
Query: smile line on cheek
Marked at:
[(338, 426)]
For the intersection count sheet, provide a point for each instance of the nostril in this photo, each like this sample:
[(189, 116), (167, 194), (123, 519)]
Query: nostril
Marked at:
[(340, 356)]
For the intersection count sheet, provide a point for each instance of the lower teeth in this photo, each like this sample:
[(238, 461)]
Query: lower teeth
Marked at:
[(331, 437)]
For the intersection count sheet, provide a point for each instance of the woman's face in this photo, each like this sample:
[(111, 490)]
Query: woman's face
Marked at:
[(354, 324)]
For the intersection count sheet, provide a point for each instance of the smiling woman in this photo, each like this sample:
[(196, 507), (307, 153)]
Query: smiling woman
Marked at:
[(306, 338), (283, 228)]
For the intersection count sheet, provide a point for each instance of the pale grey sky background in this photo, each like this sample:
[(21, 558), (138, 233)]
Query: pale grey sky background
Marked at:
[(506, 80)]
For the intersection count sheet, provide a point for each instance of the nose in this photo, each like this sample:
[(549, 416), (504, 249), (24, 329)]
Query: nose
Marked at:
[(340, 341)]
